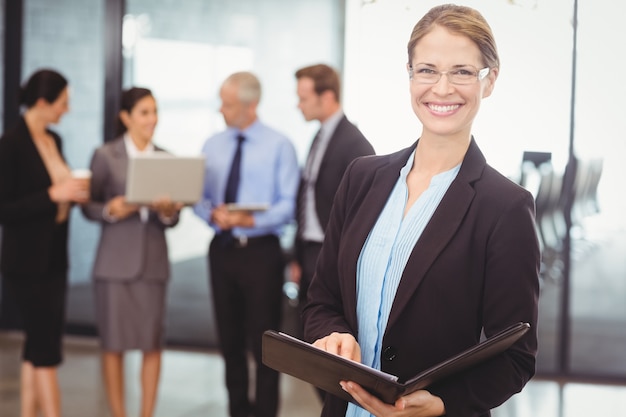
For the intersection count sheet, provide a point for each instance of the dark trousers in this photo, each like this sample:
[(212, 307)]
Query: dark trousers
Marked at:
[(247, 293), (307, 253)]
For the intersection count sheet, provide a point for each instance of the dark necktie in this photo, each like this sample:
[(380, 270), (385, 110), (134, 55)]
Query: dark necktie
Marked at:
[(232, 186), (306, 183), (308, 167), (232, 183)]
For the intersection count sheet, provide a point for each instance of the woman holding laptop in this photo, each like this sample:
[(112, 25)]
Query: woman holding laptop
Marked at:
[(131, 269)]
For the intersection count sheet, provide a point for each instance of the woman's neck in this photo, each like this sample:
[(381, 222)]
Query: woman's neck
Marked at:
[(36, 125), (436, 154), (140, 143)]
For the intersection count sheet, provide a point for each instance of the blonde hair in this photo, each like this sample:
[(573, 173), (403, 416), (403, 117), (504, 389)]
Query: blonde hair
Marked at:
[(460, 20)]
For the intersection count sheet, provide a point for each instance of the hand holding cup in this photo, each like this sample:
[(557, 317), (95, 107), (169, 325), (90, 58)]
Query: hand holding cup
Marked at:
[(83, 179), (73, 189)]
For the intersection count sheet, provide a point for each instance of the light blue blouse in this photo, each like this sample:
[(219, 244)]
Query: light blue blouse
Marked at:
[(384, 257)]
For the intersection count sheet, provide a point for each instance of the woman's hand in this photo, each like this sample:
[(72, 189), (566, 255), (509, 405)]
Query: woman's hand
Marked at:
[(342, 344), (417, 404), (70, 190), (166, 207), (295, 272), (119, 209)]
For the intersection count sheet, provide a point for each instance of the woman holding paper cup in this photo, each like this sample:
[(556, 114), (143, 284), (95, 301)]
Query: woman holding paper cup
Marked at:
[(131, 269), (37, 190), (428, 247)]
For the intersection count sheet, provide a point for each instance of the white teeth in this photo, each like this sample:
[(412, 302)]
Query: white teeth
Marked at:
[(443, 109)]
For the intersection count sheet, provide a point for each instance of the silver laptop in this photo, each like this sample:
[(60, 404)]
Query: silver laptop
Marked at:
[(160, 174)]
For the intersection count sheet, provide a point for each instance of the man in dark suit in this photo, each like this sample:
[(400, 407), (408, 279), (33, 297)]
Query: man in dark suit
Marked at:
[(336, 144)]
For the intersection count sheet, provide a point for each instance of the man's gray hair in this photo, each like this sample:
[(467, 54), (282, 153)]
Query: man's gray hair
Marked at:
[(249, 86)]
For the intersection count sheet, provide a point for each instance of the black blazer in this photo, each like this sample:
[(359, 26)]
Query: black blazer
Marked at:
[(475, 267), (346, 143), (32, 243)]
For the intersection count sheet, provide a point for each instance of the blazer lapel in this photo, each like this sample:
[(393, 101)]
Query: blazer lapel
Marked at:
[(333, 144), (119, 148), (370, 207), (440, 229), (32, 157), (119, 166)]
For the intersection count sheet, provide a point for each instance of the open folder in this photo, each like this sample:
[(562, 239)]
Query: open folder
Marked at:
[(304, 361)]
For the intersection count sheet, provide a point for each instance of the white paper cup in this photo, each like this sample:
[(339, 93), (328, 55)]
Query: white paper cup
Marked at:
[(81, 174)]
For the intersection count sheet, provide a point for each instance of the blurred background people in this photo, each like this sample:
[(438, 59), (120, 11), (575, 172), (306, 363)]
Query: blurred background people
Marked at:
[(248, 163), (36, 193), (429, 247), (131, 268)]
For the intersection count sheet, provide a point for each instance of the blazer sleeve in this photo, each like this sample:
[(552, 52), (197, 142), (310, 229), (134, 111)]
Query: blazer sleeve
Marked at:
[(346, 144), (510, 295)]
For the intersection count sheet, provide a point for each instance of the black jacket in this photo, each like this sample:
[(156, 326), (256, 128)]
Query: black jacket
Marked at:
[(33, 244)]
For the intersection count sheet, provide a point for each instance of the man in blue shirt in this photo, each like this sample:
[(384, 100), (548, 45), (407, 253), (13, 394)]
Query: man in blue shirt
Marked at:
[(250, 186)]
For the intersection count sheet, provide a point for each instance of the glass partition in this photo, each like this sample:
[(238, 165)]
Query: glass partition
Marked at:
[(598, 279), (69, 36)]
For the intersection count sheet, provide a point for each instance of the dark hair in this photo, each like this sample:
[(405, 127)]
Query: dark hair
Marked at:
[(45, 83), (130, 97), (324, 78), (459, 20)]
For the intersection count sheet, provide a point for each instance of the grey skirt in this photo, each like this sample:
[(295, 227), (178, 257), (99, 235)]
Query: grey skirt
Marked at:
[(130, 314)]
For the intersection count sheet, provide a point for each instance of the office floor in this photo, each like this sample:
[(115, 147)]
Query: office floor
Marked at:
[(191, 386)]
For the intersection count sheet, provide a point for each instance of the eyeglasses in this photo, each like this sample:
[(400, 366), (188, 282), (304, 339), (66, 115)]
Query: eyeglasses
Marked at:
[(464, 75)]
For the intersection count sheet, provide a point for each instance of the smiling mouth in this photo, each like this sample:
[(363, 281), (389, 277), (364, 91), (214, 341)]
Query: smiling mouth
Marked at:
[(443, 109)]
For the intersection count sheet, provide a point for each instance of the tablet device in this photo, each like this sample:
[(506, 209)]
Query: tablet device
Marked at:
[(161, 174), (302, 360), (252, 207)]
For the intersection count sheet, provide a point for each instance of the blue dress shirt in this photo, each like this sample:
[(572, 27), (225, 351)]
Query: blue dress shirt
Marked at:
[(384, 257), (269, 175)]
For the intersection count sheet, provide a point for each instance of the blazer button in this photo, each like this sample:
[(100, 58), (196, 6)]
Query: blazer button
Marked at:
[(389, 353)]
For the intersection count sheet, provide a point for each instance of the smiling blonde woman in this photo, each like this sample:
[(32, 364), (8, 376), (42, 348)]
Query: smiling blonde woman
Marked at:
[(429, 247)]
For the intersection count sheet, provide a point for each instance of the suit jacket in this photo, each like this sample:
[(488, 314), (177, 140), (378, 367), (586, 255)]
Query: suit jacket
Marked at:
[(346, 143), (475, 267), (129, 248), (33, 243)]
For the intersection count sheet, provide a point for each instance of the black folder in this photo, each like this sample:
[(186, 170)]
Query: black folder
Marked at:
[(304, 361)]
